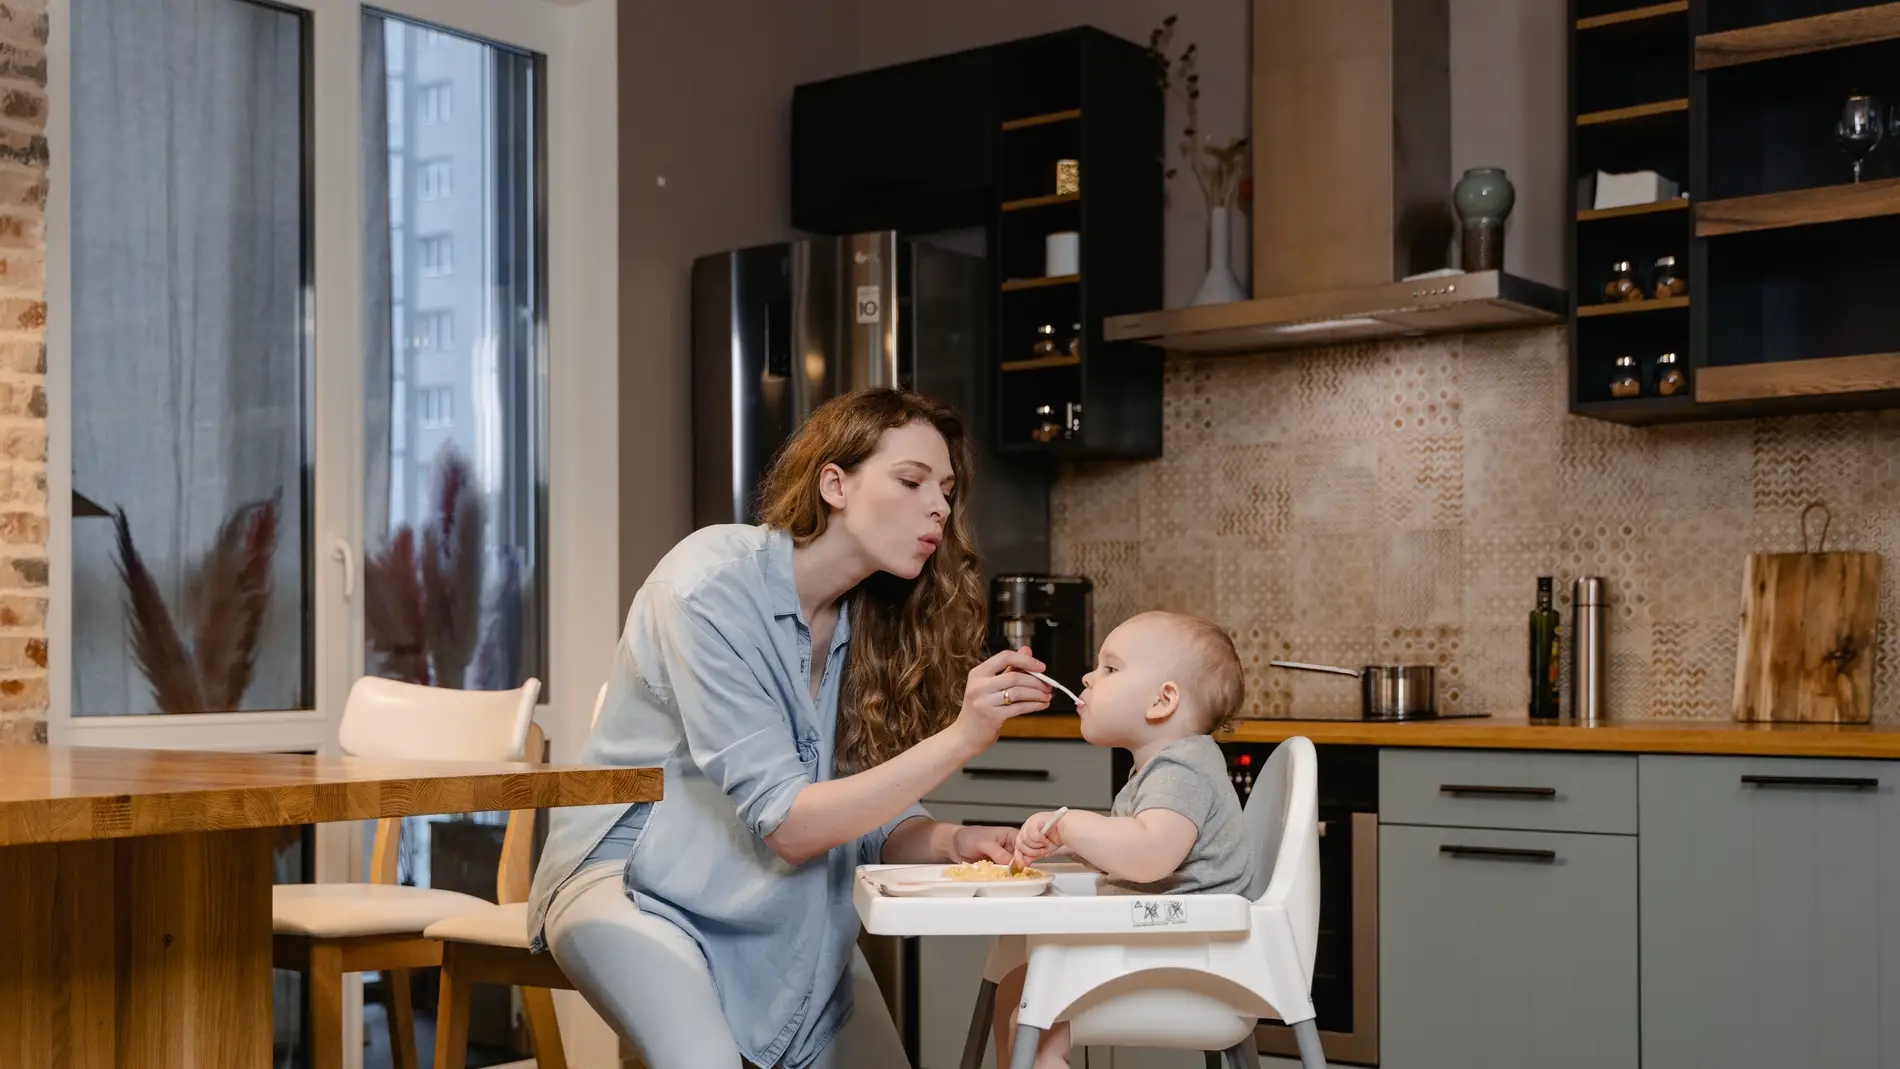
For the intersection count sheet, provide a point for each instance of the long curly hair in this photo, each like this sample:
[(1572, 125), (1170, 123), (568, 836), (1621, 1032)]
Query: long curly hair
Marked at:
[(913, 641)]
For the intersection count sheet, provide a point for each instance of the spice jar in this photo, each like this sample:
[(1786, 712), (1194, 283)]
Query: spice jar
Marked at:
[(1626, 383), (1046, 428), (1622, 284), (1667, 281), (1068, 177), (1671, 377), (1045, 341), (1074, 345)]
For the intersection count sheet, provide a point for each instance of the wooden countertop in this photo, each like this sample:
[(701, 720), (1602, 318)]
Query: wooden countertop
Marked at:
[(1507, 733), (54, 794)]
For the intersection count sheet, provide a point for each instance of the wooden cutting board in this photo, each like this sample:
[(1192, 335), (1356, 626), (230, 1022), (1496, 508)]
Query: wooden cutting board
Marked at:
[(1807, 645)]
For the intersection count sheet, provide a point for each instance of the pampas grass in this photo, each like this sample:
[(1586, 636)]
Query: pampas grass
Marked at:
[(423, 611), (227, 594)]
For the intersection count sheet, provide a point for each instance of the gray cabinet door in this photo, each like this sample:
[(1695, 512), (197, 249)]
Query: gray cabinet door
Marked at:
[(949, 971), (1506, 950), (1771, 913)]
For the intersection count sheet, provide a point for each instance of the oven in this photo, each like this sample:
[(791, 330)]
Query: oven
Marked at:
[(1346, 962)]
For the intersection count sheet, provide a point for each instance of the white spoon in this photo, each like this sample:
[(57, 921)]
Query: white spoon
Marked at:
[(1059, 687), (1016, 866)]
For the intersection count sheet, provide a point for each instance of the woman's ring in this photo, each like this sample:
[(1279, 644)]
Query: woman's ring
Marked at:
[(1006, 698)]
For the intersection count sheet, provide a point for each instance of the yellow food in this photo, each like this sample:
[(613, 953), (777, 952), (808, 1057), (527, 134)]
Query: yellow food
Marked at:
[(989, 870)]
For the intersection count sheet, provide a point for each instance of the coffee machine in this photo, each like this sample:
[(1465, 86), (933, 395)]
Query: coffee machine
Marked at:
[(1052, 615)]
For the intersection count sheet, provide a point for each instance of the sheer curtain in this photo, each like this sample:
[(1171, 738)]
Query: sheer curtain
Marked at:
[(189, 339)]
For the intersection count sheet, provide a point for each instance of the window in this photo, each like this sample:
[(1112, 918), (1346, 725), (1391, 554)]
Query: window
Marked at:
[(435, 330), (435, 180), (190, 421), (437, 404), (459, 446), (438, 255), (435, 103)]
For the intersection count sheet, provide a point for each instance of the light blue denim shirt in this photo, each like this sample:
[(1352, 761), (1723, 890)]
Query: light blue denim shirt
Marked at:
[(712, 684)]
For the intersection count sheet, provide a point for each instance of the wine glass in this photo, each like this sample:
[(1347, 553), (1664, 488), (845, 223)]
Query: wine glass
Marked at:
[(1859, 129)]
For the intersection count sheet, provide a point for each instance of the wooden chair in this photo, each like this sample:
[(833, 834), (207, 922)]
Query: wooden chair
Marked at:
[(491, 947), (329, 929)]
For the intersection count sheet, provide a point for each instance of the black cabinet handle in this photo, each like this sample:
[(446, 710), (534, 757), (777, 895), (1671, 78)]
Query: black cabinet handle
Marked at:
[(991, 823), (1502, 853), (1038, 774), (1847, 783), (1512, 792)]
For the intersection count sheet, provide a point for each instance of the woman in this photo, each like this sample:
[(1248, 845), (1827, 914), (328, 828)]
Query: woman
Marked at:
[(802, 684)]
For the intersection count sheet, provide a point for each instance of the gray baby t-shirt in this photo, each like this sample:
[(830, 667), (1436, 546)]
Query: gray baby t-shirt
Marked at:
[(1189, 776)]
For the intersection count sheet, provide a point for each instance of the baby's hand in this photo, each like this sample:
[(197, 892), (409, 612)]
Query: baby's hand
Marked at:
[(1031, 843)]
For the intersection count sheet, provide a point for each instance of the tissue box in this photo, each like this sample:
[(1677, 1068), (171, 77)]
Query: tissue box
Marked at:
[(1637, 187)]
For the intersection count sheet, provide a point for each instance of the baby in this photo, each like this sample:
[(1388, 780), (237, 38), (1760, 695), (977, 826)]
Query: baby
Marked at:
[(1163, 684)]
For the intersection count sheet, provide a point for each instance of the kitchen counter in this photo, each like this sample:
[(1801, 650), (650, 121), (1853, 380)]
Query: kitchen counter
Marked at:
[(1517, 733)]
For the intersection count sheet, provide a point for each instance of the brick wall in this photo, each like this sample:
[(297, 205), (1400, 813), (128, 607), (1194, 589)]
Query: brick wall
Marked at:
[(23, 161)]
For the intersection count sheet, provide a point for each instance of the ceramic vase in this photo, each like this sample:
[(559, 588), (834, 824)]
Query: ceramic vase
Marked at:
[(1483, 198), (1220, 286)]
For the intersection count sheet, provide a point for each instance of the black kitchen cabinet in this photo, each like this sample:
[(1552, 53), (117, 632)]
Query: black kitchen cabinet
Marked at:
[(1056, 134), (899, 148)]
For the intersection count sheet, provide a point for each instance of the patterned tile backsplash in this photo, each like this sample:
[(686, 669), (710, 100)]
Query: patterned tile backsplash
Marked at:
[(1397, 502)]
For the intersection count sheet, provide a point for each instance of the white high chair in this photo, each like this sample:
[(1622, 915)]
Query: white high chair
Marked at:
[(1193, 991)]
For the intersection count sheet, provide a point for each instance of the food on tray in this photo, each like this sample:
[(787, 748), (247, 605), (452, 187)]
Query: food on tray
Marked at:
[(980, 871)]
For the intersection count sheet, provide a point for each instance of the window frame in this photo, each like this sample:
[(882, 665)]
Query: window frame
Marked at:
[(579, 337)]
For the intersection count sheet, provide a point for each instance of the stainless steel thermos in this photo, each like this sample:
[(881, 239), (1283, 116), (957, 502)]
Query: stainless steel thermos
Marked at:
[(1589, 663)]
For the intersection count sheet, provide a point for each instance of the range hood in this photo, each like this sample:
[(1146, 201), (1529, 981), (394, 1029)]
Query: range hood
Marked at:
[(1352, 174), (1478, 300)]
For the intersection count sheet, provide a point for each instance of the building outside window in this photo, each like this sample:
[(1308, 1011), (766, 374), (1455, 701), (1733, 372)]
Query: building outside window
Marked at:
[(437, 404), (435, 180), (435, 103), (438, 255), (436, 330)]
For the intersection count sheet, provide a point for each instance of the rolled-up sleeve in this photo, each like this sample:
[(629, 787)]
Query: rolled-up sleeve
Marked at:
[(738, 733), (871, 847)]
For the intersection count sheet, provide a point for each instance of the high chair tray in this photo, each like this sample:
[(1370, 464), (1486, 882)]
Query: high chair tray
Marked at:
[(1069, 907)]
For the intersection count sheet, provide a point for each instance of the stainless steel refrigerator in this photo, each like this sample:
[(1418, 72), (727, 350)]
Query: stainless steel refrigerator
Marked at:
[(780, 329)]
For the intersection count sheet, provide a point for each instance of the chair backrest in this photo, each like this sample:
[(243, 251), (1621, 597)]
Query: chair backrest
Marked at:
[(388, 718), (1282, 818), (599, 700), (515, 874)]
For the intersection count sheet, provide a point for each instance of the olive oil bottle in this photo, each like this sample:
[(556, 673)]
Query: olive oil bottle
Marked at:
[(1545, 626)]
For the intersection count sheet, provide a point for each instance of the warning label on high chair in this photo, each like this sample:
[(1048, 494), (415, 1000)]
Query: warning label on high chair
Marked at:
[(1159, 912)]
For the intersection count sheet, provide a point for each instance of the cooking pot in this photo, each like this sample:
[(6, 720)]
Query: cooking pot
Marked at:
[(1387, 691)]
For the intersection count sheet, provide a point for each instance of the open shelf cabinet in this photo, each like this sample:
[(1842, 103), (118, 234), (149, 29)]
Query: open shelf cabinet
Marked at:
[(1791, 266), (1090, 97)]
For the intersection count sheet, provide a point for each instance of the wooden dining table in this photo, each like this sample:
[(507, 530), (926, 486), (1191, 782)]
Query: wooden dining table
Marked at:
[(135, 886)]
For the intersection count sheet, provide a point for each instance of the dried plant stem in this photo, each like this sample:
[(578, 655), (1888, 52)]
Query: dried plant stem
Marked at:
[(1217, 165), (227, 595)]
